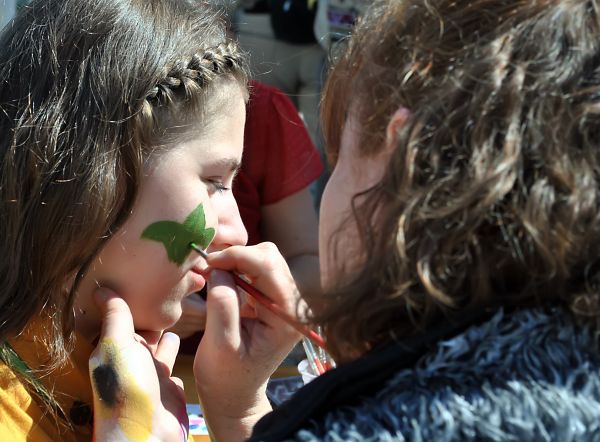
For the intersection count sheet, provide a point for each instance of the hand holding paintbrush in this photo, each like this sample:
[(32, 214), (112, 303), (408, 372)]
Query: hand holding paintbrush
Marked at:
[(270, 305), (240, 349)]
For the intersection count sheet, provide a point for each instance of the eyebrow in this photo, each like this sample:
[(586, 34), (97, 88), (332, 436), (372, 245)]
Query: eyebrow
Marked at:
[(232, 164)]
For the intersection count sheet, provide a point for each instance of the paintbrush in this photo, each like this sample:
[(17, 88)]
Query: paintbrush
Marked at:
[(262, 299)]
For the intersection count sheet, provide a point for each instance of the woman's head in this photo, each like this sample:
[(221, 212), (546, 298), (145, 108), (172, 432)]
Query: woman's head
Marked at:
[(490, 192), (94, 95)]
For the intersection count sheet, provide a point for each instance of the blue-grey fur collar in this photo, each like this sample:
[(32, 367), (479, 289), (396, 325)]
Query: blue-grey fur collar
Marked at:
[(532, 375)]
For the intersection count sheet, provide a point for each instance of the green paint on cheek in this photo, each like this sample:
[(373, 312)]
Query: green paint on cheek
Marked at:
[(176, 237)]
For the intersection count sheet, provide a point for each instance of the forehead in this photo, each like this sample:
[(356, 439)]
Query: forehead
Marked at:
[(221, 104), (224, 107), (220, 137)]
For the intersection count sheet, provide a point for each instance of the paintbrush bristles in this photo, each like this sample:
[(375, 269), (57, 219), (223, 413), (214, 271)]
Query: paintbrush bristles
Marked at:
[(199, 250)]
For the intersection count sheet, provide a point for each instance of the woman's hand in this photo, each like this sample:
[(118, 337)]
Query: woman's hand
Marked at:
[(193, 317), (135, 397), (239, 352)]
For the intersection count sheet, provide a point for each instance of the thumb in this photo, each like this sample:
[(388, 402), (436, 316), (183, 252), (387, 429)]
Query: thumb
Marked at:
[(116, 316), (222, 310)]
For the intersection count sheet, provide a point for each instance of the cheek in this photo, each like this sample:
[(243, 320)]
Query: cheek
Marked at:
[(211, 211), (147, 283), (136, 269), (339, 239)]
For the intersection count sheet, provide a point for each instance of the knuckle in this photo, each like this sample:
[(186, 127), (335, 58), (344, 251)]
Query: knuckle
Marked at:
[(269, 247), (270, 262), (271, 257)]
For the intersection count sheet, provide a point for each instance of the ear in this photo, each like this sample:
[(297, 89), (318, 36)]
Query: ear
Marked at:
[(397, 122)]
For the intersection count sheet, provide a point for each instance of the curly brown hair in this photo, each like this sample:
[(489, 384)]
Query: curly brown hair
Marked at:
[(89, 90), (492, 194)]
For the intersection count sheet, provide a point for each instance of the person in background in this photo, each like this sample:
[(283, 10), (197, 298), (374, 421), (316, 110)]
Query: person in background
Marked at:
[(279, 36), (272, 192), (335, 20), (458, 239)]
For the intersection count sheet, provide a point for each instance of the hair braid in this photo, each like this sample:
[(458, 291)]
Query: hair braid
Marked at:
[(199, 70)]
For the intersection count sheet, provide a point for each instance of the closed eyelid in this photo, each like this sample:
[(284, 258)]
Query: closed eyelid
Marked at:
[(217, 186)]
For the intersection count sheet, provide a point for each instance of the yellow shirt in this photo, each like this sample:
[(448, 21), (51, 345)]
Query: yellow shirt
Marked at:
[(23, 419)]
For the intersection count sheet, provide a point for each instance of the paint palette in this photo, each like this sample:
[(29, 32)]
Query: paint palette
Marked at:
[(197, 424)]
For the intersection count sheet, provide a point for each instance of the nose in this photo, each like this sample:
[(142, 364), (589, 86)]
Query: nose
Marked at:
[(231, 230)]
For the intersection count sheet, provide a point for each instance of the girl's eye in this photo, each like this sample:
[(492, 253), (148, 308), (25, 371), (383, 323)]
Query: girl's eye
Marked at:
[(218, 185)]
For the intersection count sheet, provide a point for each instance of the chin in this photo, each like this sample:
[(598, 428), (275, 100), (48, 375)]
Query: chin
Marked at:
[(160, 322), (170, 317)]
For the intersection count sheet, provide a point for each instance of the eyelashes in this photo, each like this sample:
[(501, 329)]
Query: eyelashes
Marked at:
[(221, 184), (217, 185)]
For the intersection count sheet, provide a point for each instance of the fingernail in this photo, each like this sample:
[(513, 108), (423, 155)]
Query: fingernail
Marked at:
[(170, 336)]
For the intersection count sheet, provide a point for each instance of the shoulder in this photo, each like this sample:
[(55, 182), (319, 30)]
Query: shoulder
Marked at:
[(18, 411), (261, 94), (12, 391), (531, 375), (272, 120), (23, 414), (266, 99)]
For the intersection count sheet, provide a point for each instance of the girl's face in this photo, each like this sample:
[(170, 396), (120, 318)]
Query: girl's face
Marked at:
[(196, 173)]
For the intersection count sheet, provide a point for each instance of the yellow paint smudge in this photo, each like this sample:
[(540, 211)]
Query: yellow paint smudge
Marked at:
[(135, 409)]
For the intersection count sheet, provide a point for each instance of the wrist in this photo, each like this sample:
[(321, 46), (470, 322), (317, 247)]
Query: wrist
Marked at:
[(234, 420)]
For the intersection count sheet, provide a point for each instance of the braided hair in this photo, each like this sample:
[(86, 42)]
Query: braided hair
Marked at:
[(187, 82), (196, 72)]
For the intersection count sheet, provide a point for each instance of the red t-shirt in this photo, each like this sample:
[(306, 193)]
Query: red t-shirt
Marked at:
[(279, 157)]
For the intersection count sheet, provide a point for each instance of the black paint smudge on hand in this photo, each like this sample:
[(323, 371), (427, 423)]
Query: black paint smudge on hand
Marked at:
[(106, 380)]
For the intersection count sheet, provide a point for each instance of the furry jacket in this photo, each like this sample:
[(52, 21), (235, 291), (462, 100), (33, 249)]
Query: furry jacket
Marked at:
[(528, 375)]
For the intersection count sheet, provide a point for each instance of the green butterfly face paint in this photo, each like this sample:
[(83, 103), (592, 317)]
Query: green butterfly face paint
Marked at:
[(176, 237)]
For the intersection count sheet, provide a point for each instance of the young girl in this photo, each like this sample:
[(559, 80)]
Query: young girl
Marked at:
[(122, 130), (459, 237)]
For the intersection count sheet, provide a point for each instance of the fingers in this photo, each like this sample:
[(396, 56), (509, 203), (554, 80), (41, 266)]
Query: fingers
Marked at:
[(252, 261), (116, 316), (265, 267), (223, 310), (150, 339), (167, 349), (248, 308), (179, 382)]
